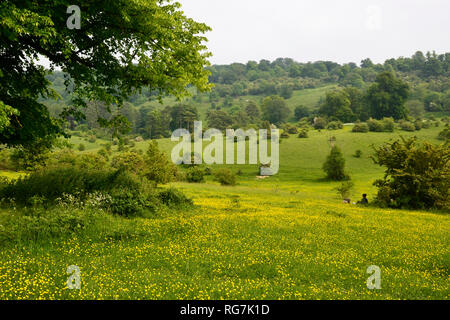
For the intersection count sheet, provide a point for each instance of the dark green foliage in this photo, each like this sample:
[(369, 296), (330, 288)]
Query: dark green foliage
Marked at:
[(148, 59), (444, 134), (195, 175), (275, 110), (334, 165), (387, 97), (52, 183), (301, 112), (131, 203), (174, 197), (416, 176), (226, 177), (337, 105), (375, 125), (358, 154), (320, 123)]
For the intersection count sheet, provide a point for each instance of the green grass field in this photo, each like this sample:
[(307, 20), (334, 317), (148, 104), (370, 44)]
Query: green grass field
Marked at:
[(284, 237)]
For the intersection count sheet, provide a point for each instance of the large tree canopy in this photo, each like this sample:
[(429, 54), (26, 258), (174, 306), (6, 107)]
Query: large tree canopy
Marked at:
[(121, 47)]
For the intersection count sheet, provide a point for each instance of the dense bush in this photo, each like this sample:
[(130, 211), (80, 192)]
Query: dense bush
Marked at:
[(335, 125), (416, 176), (174, 197), (345, 189), (225, 176), (334, 165), (358, 154), (195, 175), (444, 134), (52, 183), (407, 126), (303, 133), (157, 167), (360, 127), (320, 123), (375, 125), (129, 161)]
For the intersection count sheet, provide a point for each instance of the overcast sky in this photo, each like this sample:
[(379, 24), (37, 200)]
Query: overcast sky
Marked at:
[(311, 30)]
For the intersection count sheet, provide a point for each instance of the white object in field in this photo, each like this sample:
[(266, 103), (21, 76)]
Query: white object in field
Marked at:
[(265, 171)]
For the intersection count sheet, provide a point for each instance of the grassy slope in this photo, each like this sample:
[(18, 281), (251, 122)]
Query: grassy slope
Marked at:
[(287, 237)]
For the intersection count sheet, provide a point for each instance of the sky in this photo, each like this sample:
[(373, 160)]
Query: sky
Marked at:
[(311, 30)]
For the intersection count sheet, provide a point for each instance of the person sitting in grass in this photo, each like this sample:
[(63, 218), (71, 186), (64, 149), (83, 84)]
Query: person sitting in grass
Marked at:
[(364, 200)]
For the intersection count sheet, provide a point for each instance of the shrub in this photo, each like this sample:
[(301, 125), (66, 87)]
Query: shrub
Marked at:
[(290, 129), (52, 183), (225, 176), (416, 176), (360, 127), (444, 135), (81, 147), (388, 124), (129, 161), (418, 124), (174, 197), (358, 154), (320, 123), (92, 139), (195, 175), (284, 135), (344, 190), (334, 165), (407, 126), (375, 125), (131, 203), (335, 125), (157, 167), (303, 133)]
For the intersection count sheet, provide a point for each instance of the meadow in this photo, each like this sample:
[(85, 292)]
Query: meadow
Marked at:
[(285, 237)]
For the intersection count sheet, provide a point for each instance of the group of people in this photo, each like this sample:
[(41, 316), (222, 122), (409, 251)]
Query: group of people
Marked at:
[(363, 201)]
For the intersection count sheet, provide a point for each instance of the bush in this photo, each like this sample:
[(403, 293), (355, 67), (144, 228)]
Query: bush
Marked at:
[(52, 183), (303, 133), (444, 135), (358, 154), (360, 127), (284, 135), (334, 165), (92, 139), (174, 197), (290, 129), (344, 190), (388, 124), (131, 203), (375, 125), (225, 176), (129, 161), (407, 126), (319, 123), (195, 175), (81, 147), (416, 176), (335, 125), (157, 167)]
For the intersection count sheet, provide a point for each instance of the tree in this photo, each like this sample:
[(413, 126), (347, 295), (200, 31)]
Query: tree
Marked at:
[(252, 111), (334, 165), (337, 105), (415, 108), (387, 97), (157, 167), (219, 119), (301, 112), (275, 109), (416, 176), (183, 116), (121, 47)]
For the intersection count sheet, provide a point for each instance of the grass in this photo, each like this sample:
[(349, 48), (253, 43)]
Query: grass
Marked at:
[(285, 237)]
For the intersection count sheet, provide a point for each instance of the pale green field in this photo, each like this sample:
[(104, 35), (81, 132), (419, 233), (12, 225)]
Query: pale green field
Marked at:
[(285, 237)]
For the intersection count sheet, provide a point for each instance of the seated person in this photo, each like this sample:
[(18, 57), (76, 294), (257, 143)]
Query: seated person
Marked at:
[(364, 199)]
